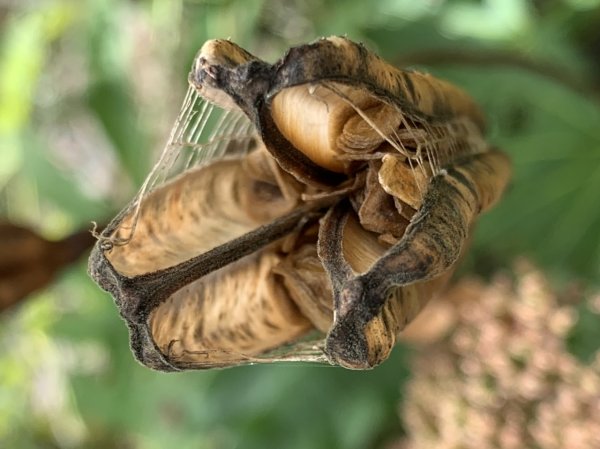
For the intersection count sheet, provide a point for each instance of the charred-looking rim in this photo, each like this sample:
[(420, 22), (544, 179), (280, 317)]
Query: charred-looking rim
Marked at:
[(330, 202)]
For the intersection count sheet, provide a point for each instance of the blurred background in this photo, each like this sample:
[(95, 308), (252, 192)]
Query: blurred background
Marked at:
[(88, 92)]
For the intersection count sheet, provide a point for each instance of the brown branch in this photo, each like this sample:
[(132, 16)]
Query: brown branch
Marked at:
[(29, 262)]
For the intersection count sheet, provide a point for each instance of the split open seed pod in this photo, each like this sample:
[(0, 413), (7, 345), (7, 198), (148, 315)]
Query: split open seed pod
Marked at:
[(328, 204)]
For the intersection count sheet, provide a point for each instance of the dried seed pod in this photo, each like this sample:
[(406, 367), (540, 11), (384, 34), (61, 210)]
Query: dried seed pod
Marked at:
[(228, 262)]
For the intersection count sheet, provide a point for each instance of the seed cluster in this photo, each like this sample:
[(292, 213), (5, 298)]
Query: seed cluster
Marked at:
[(504, 378)]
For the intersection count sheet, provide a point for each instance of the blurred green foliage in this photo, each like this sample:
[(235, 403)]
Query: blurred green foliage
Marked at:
[(88, 91)]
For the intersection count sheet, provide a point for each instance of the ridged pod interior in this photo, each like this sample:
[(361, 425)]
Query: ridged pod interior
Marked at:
[(323, 125), (197, 211), (233, 313)]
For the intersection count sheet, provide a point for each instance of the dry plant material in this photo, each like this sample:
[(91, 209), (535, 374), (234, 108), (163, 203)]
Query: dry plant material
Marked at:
[(329, 203), (29, 262), (504, 378)]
